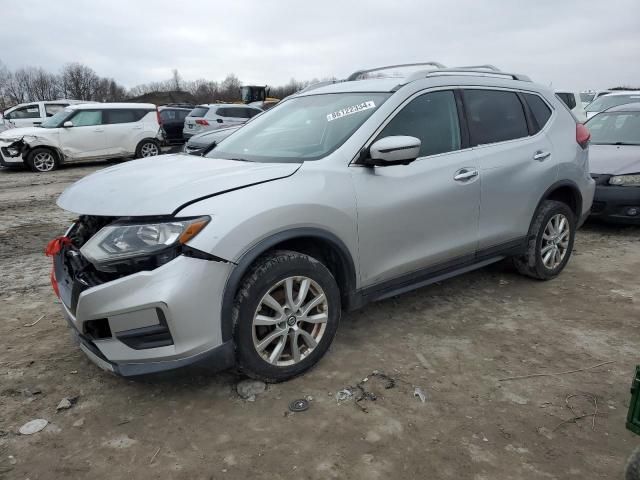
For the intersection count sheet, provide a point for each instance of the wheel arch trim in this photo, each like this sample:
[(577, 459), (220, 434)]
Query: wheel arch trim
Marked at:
[(246, 260)]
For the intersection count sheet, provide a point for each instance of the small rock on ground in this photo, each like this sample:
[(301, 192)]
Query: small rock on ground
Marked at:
[(249, 388)]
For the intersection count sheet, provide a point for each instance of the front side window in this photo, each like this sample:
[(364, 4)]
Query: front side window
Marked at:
[(301, 129), (432, 118), (615, 128), (31, 111), (87, 118), (58, 119), (494, 116)]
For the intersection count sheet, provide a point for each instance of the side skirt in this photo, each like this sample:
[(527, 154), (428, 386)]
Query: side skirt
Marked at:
[(436, 273)]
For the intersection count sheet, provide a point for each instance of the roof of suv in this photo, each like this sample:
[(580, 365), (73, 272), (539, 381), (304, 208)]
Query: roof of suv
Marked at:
[(89, 106), (357, 81), (225, 105)]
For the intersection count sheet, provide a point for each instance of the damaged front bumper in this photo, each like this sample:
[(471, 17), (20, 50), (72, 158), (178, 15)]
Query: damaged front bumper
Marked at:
[(148, 321), (12, 153)]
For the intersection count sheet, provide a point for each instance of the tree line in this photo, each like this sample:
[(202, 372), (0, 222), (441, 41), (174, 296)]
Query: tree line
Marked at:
[(80, 82)]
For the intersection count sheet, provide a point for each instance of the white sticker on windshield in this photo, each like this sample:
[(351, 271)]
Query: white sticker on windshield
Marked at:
[(351, 110)]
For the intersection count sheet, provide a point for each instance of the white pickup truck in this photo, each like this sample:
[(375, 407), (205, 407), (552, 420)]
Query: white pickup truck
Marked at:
[(32, 114)]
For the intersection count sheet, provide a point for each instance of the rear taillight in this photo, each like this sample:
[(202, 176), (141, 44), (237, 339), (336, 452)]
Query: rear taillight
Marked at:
[(583, 135), (202, 122)]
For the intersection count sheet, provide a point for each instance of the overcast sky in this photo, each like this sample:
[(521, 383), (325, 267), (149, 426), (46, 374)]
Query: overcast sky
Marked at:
[(573, 43)]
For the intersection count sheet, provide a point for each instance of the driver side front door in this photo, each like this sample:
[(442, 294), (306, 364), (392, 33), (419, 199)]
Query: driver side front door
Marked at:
[(422, 217)]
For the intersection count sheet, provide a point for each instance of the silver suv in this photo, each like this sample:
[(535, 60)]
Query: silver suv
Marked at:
[(338, 196), (216, 116)]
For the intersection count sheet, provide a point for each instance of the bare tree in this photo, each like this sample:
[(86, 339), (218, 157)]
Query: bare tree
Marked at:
[(79, 82), (176, 80)]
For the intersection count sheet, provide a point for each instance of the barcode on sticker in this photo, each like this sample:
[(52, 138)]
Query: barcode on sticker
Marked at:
[(351, 110)]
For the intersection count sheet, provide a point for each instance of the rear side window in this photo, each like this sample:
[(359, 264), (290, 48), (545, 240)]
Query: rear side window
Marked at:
[(433, 118), (51, 109), (252, 112), (120, 116), (223, 112), (168, 115), (540, 110), (199, 112), (568, 99), (494, 116)]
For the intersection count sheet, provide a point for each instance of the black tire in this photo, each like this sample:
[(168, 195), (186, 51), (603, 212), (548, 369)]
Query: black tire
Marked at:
[(531, 263), (35, 163), (145, 144), (268, 270), (632, 472)]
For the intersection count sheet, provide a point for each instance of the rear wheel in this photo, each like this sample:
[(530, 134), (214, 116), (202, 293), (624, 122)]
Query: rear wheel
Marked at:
[(147, 148), (550, 243), (285, 316), (42, 160)]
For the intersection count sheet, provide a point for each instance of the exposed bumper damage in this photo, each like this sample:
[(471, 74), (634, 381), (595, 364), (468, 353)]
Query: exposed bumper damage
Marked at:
[(144, 319), (12, 153)]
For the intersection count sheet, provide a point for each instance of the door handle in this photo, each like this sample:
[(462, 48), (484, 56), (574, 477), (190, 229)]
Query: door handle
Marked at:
[(540, 155), (465, 174), (99, 130), (137, 128)]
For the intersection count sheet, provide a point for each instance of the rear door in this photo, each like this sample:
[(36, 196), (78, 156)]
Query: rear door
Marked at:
[(419, 216), (123, 130), (236, 115), (172, 123), (516, 161), (86, 138)]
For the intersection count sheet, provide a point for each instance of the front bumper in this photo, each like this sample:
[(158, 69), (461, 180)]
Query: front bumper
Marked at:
[(616, 204), (7, 159), (150, 321)]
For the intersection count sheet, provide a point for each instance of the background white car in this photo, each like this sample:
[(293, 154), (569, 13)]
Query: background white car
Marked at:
[(217, 115), (613, 99), (32, 114), (88, 131), (573, 101)]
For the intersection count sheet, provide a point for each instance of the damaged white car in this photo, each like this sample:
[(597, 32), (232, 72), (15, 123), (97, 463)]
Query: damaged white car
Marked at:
[(84, 132)]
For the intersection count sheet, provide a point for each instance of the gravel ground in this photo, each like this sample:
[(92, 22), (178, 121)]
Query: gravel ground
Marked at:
[(455, 340)]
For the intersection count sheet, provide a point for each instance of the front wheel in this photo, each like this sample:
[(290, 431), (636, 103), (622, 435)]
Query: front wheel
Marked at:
[(42, 160), (147, 148), (550, 241), (285, 315)]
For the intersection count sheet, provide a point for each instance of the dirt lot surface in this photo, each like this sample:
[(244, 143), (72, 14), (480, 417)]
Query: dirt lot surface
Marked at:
[(455, 340)]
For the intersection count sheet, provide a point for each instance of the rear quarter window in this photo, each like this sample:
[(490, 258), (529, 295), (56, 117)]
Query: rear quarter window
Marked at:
[(539, 109), (568, 99), (199, 112)]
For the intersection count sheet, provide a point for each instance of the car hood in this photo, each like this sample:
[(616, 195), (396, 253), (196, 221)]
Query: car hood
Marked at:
[(614, 159), (205, 139), (162, 185), (12, 133)]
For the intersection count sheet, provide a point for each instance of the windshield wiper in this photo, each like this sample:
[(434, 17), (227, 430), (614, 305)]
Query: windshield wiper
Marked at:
[(240, 159), (626, 143)]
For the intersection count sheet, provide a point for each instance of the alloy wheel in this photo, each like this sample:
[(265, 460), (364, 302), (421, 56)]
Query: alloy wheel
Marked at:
[(555, 241), (149, 149), (290, 321), (44, 162)]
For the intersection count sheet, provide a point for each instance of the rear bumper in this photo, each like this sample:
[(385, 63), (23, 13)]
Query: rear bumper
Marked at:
[(617, 204)]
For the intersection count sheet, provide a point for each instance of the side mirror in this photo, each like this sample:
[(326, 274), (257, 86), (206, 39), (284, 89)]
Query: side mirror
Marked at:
[(395, 150), (67, 124)]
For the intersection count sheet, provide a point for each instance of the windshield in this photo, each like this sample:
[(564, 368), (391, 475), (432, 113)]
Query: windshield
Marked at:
[(57, 120), (301, 129), (603, 103), (622, 128), (587, 97)]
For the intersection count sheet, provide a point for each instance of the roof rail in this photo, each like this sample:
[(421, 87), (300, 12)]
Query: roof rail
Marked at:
[(357, 74), (486, 66), (479, 70)]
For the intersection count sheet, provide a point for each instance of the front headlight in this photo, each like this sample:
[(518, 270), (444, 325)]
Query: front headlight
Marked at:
[(125, 241), (625, 180)]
